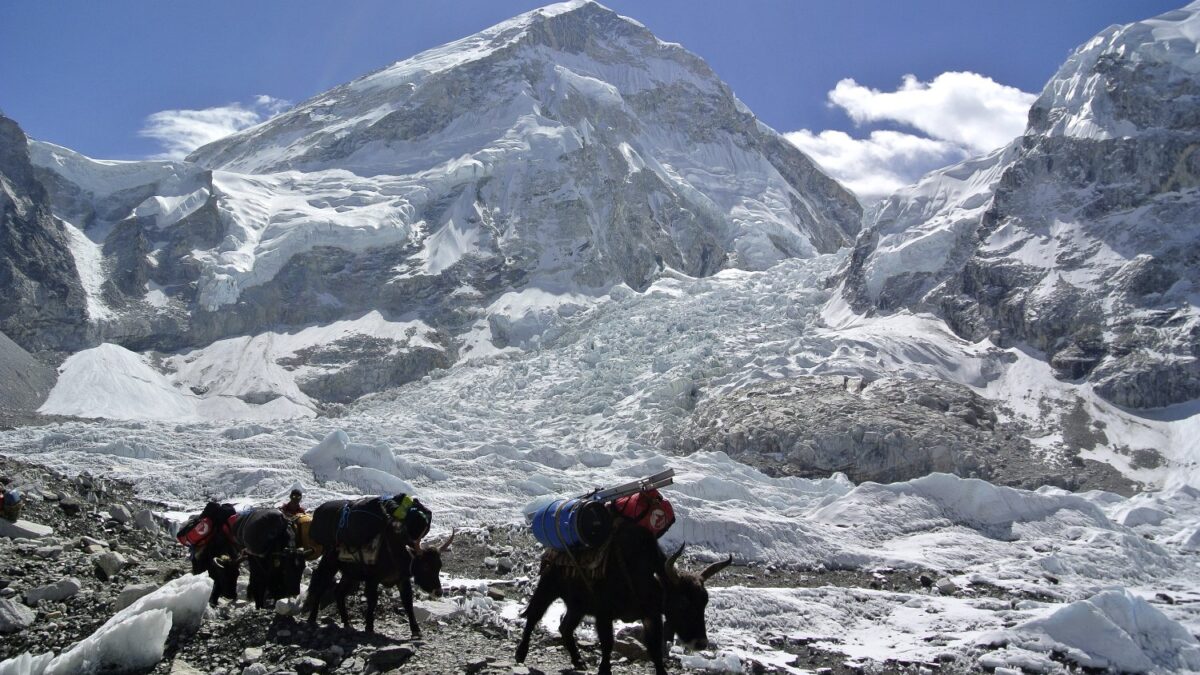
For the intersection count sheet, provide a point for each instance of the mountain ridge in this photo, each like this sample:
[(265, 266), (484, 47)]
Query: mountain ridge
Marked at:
[(1077, 239)]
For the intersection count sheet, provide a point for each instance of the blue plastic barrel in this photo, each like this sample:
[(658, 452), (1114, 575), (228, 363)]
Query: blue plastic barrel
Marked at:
[(556, 525), (571, 523)]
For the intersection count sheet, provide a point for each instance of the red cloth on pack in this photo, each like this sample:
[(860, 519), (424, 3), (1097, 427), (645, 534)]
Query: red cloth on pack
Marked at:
[(196, 533), (648, 509)]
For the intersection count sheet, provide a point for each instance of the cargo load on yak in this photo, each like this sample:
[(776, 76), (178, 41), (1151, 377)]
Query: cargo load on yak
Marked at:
[(197, 530), (587, 521), (356, 525), (303, 525)]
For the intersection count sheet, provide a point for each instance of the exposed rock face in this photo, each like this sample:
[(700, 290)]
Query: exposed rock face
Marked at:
[(44, 307), (1080, 238), (885, 431), (24, 381)]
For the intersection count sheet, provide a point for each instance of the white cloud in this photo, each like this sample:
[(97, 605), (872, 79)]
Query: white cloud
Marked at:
[(182, 131), (957, 114), (878, 165), (964, 108)]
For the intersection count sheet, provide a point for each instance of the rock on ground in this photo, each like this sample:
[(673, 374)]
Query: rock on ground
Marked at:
[(14, 616)]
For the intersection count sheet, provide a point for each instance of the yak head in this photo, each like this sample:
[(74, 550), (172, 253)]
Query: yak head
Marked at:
[(220, 561), (685, 600), (426, 568)]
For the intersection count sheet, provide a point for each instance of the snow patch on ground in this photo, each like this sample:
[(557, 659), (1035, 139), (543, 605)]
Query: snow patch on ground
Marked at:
[(1113, 630), (113, 382), (133, 639)]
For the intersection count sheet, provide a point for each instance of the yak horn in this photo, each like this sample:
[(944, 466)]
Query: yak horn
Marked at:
[(445, 545), (716, 567), (670, 567)]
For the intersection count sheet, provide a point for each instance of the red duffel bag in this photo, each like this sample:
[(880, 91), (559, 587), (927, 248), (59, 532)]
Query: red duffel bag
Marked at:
[(196, 531), (648, 509)]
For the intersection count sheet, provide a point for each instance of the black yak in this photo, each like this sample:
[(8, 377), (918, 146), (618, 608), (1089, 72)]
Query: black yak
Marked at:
[(211, 551), (630, 579), (268, 541), (376, 548)]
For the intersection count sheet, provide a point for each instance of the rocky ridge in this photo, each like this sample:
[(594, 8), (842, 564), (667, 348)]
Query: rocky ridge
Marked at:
[(885, 431), (24, 381), (45, 307), (1077, 239)]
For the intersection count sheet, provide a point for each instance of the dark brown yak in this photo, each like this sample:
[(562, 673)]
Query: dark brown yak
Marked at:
[(634, 581), (266, 540), (399, 561), (218, 556)]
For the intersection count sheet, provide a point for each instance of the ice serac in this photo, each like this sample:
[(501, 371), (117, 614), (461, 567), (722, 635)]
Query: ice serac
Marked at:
[(566, 146), (44, 306), (1081, 238)]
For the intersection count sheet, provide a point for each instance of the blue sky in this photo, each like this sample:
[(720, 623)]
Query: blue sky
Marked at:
[(92, 75)]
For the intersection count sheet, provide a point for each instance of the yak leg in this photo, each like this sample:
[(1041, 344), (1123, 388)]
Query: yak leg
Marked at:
[(372, 601), (604, 632), (653, 634), (406, 599), (218, 577), (543, 597), (566, 628), (345, 586), (256, 588), (321, 580)]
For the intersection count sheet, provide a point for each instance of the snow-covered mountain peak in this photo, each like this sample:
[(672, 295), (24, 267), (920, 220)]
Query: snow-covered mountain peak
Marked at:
[(1126, 79), (549, 135), (437, 105), (549, 26)]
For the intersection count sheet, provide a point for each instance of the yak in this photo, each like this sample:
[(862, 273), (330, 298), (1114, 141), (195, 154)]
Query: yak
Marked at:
[(267, 540), (213, 553), (376, 549), (628, 579)]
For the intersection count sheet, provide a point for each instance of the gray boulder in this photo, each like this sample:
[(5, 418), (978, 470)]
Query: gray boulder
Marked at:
[(146, 520), (132, 593), (60, 590), (14, 616), (23, 529), (108, 564), (120, 513)]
